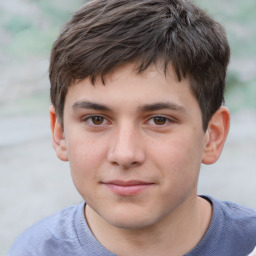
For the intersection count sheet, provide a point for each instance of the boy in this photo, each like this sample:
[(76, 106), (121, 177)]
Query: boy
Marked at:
[(137, 92)]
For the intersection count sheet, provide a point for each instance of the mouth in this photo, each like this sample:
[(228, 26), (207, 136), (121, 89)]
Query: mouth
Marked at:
[(127, 188)]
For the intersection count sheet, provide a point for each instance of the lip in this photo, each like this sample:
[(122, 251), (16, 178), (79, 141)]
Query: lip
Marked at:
[(127, 188)]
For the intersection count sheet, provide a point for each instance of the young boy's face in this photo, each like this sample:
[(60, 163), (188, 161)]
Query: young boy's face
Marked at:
[(135, 145)]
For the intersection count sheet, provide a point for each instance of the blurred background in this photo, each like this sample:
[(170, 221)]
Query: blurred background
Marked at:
[(33, 182)]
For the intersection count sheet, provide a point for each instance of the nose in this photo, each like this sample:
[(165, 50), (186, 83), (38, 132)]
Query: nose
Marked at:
[(126, 148)]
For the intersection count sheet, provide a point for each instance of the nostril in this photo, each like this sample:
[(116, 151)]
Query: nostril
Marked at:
[(125, 151), (125, 164), (115, 163)]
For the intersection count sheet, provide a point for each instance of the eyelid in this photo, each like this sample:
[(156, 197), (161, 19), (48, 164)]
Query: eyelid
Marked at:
[(168, 119), (87, 117)]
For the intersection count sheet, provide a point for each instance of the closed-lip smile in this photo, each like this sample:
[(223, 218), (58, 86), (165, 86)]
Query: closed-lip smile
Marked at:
[(127, 188)]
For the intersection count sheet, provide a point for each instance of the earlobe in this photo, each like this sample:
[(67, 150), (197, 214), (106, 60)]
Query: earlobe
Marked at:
[(58, 138), (216, 135)]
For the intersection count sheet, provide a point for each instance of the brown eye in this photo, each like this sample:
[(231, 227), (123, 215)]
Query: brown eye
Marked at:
[(159, 120), (97, 120)]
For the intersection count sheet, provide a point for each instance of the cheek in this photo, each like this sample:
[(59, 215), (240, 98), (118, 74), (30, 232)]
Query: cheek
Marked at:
[(178, 156), (86, 155), (85, 149), (177, 161)]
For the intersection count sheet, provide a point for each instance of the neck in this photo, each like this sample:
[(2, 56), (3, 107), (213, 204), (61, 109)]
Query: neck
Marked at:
[(178, 233)]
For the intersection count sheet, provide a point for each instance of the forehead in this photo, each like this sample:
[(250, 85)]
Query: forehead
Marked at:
[(126, 86)]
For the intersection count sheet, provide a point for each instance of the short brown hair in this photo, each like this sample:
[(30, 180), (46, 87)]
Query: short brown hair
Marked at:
[(105, 34)]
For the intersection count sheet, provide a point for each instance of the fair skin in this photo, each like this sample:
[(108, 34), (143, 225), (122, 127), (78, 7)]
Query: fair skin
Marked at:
[(135, 146)]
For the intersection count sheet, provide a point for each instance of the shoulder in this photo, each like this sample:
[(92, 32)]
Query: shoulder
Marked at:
[(239, 217), (232, 230), (236, 219), (47, 236), (239, 224)]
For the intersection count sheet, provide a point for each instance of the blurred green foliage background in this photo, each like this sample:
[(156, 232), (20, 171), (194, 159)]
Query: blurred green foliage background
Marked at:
[(29, 27), (239, 20), (31, 33)]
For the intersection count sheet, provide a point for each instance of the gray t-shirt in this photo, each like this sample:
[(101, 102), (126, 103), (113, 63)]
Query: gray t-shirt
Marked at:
[(232, 231)]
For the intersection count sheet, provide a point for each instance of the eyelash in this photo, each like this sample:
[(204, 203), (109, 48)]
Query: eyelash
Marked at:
[(165, 120), (89, 120)]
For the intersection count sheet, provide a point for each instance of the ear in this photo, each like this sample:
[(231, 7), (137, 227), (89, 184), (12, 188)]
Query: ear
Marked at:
[(58, 138), (216, 135)]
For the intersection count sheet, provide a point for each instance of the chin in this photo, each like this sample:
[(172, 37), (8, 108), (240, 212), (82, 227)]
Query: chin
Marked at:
[(131, 224), (131, 220)]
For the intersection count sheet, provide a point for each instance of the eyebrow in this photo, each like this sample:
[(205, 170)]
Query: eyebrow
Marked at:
[(89, 105), (144, 108), (162, 105)]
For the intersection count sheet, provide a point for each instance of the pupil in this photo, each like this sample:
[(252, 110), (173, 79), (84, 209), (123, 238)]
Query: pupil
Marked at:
[(159, 120), (97, 120)]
